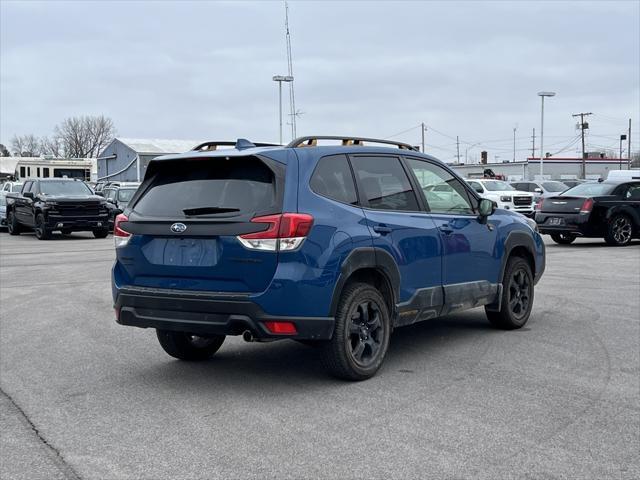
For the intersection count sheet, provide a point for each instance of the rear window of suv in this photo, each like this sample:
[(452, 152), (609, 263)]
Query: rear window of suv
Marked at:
[(212, 187)]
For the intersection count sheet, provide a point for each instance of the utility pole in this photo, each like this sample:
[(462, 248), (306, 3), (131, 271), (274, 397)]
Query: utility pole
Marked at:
[(583, 126), (514, 143), (458, 149), (423, 129), (533, 144), (629, 145)]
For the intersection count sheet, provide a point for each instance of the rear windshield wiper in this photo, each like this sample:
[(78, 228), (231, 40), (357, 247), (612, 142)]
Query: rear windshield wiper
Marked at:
[(208, 210)]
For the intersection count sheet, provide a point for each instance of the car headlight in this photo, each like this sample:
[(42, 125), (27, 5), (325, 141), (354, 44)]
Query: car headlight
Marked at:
[(532, 223), (505, 198)]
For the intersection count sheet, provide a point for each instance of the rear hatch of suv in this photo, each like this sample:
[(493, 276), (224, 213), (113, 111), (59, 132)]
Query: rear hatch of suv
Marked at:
[(186, 217)]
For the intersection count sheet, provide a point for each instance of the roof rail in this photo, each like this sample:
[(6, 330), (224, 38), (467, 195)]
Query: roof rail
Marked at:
[(240, 144), (312, 141)]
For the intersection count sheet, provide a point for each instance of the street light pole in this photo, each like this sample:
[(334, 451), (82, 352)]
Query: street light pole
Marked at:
[(280, 79), (542, 95)]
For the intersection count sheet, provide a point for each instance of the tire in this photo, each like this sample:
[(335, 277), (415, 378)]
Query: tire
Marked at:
[(619, 231), (42, 233), (101, 233), (517, 296), (13, 227), (361, 334), (186, 346), (563, 238)]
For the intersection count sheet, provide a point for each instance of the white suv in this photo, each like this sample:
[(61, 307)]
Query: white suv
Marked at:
[(504, 195)]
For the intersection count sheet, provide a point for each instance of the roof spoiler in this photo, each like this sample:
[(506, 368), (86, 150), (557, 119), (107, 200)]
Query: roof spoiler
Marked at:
[(312, 141), (240, 144)]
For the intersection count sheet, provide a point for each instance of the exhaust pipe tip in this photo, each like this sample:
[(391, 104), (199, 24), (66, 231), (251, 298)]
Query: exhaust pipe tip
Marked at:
[(247, 336)]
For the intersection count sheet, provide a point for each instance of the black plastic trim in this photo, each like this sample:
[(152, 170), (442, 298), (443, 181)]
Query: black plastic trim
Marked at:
[(367, 257), (208, 313)]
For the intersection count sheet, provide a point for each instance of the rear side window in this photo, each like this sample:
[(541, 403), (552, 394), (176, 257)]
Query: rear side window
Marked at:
[(332, 179), (384, 184), (209, 187)]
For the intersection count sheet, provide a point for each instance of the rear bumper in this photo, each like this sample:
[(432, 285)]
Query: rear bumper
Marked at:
[(576, 224), (208, 313)]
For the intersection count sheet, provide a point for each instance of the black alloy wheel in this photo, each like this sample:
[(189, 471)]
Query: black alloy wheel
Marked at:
[(519, 293), (620, 231), (42, 233), (361, 335)]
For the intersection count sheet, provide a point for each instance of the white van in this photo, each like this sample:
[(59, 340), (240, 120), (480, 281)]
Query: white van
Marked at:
[(624, 175)]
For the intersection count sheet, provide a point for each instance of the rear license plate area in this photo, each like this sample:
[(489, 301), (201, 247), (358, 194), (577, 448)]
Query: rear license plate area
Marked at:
[(555, 221), (182, 252)]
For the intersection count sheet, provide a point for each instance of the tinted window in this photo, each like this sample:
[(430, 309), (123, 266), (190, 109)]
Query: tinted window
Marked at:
[(16, 187), (63, 187), (632, 192), (332, 178), (590, 190), (209, 187), (384, 183), (476, 186), (27, 187), (444, 192)]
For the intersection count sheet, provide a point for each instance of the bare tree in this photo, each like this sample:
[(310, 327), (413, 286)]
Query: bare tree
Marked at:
[(25, 145), (85, 136), (4, 152), (51, 146)]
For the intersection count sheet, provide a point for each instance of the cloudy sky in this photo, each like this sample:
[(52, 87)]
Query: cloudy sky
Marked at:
[(202, 70)]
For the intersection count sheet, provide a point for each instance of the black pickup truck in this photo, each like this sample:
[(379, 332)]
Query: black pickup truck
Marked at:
[(609, 210), (57, 204)]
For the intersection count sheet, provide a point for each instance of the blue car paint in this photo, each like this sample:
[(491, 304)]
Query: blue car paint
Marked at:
[(301, 283)]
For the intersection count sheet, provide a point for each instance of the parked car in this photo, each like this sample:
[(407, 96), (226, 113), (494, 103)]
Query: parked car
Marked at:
[(540, 189), (10, 187), (46, 205), (3, 211), (621, 175), (609, 210), (333, 245), (504, 195), (118, 198)]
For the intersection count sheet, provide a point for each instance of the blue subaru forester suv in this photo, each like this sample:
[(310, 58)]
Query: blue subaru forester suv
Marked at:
[(331, 241)]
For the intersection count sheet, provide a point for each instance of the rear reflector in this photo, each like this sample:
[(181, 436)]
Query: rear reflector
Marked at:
[(281, 328), (283, 232), (587, 206)]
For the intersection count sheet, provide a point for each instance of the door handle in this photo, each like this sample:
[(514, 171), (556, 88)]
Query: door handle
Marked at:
[(445, 228), (381, 229)]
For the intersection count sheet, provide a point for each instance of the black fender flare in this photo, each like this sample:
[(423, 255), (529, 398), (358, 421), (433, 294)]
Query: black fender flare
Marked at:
[(367, 257), (517, 239)]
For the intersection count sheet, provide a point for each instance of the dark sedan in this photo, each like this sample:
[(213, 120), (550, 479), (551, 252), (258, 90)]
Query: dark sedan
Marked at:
[(609, 210)]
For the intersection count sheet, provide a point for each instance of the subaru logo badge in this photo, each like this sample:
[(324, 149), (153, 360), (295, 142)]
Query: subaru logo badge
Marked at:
[(178, 227)]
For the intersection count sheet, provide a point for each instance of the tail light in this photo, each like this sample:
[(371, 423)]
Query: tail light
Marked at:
[(120, 237), (539, 203), (587, 206), (281, 328), (284, 232)]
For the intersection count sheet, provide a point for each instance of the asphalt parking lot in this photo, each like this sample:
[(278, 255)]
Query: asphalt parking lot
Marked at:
[(85, 398)]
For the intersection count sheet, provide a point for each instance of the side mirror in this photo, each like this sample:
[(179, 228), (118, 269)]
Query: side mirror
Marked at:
[(486, 207), (28, 195), (537, 190)]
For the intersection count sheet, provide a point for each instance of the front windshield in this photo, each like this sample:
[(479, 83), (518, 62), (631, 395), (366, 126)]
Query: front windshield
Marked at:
[(63, 187), (497, 186), (590, 190), (124, 195), (554, 186)]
